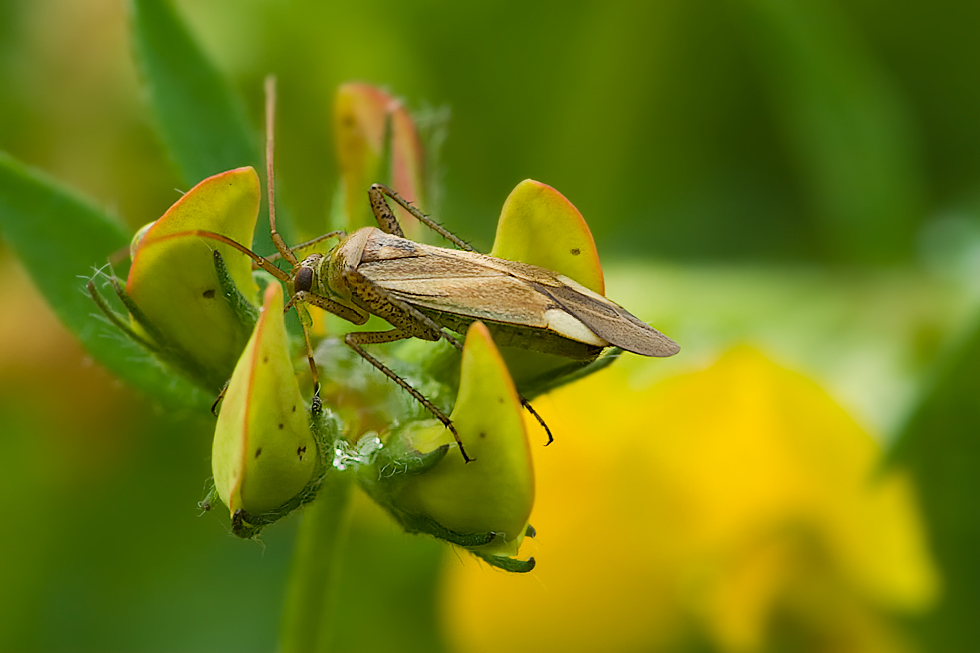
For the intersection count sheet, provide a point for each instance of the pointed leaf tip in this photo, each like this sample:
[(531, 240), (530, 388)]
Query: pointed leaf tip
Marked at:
[(539, 226)]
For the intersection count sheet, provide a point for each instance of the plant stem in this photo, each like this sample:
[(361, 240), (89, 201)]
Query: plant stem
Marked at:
[(309, 613)]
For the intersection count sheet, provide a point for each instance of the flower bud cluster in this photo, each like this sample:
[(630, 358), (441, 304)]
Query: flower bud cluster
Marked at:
[(192, 299)]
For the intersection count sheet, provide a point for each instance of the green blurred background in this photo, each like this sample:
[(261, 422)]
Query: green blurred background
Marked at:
[(735, 143)]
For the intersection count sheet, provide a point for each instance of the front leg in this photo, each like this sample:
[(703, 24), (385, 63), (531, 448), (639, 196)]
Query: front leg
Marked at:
[(399, 313), (331, 306), (300, 300)]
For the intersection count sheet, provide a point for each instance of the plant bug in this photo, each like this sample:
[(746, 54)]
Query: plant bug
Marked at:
[(430, 292)]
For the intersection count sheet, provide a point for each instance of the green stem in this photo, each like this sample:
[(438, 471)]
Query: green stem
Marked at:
[(309, 617)]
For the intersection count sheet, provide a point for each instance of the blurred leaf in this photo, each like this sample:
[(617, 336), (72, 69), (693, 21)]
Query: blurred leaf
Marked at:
[(845, 123), (60, 238), (201, 120), (940, 445)]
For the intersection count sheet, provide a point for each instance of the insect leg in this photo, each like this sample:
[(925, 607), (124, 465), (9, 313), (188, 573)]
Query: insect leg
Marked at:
[(317, 404), (530, 409), (411, 320), (221, 395), (389, 224), (399, 313), (356, 339), (382, 212), (300, 300), (310, 243)]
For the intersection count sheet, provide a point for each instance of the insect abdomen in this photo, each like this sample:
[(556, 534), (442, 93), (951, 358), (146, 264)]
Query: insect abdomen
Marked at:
[(510, 335)]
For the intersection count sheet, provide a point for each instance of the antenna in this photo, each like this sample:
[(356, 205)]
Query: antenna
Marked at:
[(270, 148)]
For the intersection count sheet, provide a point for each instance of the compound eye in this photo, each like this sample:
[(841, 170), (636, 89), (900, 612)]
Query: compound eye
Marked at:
[(303, 280)]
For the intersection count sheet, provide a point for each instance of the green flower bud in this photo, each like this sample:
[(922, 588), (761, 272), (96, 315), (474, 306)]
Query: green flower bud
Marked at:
[(266, 456), (180, 294), (538, 225), (424, 482)]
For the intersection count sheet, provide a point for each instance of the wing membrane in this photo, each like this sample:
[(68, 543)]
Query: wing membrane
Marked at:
[(487, 288)]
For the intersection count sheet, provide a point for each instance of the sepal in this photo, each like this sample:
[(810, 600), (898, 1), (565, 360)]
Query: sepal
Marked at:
[(145, 332), (539, 226)]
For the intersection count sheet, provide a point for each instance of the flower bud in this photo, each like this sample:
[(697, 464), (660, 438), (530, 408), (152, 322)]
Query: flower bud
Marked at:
[(265, 453), (539, 226), (176, 295), (376, 142), (423, 480)]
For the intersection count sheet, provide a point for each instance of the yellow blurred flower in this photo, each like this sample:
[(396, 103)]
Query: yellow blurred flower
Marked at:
[(732, 509)]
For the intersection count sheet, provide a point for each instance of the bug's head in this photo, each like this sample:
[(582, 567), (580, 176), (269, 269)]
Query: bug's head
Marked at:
[(305, 275)]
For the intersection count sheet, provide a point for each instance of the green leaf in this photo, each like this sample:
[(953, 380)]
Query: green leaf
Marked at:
[(60, 238), (940, 446), (201, 120)]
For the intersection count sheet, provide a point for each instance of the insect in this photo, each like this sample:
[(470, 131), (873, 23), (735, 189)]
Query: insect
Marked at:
[(430, 293)]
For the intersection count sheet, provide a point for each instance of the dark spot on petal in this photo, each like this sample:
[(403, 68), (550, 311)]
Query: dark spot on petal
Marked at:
[(576, 251), (280, 427), (500, 400), (294, 409), (209, 293), (482, 434), (265, 359), (258, 452), (300, 451)]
